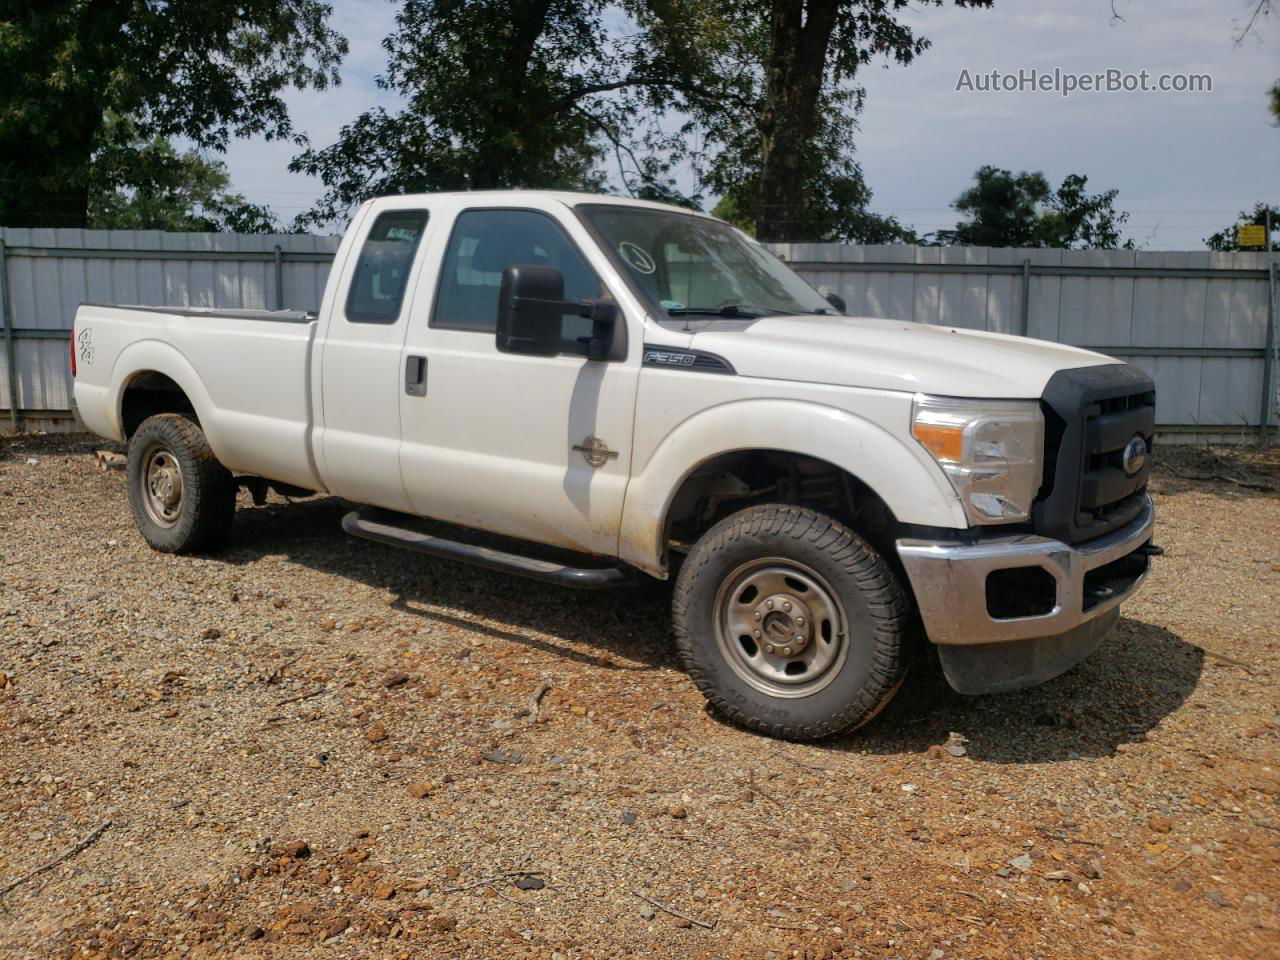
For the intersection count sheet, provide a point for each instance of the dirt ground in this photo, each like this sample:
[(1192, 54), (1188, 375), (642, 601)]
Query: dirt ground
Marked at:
[(316, 746)]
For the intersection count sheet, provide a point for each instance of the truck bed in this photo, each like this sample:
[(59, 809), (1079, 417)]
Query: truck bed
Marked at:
[(247, 372), (274, 316)]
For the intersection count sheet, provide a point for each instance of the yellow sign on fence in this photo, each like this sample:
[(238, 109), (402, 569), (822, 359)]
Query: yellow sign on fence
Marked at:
[(1253, 235)]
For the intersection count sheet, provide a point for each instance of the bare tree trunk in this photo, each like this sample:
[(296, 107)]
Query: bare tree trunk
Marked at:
[(800, 34)]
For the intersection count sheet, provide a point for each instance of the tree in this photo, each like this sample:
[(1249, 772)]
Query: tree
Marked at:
[(148, 185), (1228, 239), (794, 148), (1004, 209), (202, 71), (1251, 23), (834, 195), (509, 93), (755, 96)]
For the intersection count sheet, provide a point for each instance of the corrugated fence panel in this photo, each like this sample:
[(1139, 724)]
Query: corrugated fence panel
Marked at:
[(46, 281), (1230, 391), (1096, 311), (1197, 321)]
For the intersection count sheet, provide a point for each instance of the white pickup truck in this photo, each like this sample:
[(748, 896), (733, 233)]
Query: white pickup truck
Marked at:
[(651, 389)]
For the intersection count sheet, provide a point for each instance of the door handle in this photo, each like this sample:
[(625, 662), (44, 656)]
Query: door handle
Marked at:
[(415, 376)]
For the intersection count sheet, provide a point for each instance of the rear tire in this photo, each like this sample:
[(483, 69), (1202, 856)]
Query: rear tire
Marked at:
[(824, 665), (182, 498)]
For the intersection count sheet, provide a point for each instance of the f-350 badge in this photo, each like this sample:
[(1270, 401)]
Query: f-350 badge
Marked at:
[(595, 451)]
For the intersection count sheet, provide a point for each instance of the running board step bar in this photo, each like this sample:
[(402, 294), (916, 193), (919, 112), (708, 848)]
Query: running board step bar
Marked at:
[(582, 578)]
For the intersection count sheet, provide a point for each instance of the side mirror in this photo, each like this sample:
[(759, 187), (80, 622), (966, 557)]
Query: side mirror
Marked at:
[(531, 311), (836, 301)]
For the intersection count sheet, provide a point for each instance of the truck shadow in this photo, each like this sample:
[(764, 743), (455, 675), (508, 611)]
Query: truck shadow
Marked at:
[(1140, 675), (624, 629)]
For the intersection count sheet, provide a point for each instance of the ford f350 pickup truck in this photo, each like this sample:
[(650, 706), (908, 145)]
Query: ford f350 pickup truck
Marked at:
[(651, 389)]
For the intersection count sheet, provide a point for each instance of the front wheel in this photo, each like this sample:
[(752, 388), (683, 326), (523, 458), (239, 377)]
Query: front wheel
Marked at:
[(790, 623), (182, 498)]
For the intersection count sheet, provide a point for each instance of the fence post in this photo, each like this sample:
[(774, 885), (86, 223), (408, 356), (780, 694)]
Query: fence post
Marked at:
[(1269, 358), (1024, 324), (279, 277), (10, 350)]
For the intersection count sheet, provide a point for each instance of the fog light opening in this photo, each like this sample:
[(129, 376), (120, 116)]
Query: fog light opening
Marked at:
[(1017, 592)]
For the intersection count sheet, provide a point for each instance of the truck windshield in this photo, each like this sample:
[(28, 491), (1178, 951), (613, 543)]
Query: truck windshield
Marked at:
[(693, 266)]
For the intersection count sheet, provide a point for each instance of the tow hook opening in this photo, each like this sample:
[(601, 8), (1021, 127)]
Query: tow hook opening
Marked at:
[(1116, 577)]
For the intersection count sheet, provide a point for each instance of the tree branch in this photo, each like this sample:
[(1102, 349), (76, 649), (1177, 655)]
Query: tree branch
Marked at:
[(80, 847), (1260, 9), (571, 99), (618, 147)]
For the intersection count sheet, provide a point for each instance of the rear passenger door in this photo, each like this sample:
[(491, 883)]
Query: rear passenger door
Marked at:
[(361, 372)]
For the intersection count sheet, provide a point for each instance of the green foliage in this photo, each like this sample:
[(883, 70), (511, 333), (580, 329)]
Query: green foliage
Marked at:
[(787, 163), (1004, 209), (554, 93), (1227, 239), (204, 71), (148, 185), (508, 93), (834, 196)]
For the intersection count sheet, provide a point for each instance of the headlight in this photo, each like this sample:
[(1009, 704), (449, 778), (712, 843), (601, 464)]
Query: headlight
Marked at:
[(991, 450)]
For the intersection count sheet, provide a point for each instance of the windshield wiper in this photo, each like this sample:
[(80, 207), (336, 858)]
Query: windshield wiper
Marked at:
[(736, 311)]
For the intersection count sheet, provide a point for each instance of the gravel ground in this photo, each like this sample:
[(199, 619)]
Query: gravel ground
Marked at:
[(316, 746)]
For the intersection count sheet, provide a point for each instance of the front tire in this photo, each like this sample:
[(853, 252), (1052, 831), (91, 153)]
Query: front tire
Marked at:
[(182, 498), (790, 623)]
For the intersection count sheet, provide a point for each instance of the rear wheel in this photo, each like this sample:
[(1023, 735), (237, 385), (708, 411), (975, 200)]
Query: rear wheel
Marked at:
[(790, 623), (182, 498)]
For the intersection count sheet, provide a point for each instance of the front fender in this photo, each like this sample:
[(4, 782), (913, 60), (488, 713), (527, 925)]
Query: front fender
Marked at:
[(900, 472)]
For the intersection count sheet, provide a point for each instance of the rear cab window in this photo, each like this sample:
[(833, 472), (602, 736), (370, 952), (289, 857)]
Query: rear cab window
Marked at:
[(382, 270)]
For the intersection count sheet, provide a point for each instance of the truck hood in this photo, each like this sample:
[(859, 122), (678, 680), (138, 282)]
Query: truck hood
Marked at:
[(894, 355)]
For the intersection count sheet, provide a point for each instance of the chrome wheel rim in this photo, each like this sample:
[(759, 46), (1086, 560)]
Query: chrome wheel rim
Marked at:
[(162, 487), (781, 627)]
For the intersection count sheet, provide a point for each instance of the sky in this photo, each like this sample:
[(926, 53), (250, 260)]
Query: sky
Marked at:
[(1184, 163)]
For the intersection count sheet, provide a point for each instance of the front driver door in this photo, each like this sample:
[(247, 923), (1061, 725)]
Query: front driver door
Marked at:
[(531, 447)]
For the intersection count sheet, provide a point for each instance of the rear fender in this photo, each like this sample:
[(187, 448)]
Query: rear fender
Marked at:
[(144, 356)]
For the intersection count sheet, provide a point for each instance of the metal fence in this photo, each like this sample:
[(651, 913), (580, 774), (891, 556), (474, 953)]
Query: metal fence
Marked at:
[(46, 273), (1202, 324)]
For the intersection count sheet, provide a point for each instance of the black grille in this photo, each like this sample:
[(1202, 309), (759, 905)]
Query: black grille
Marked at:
[(1091, 415)]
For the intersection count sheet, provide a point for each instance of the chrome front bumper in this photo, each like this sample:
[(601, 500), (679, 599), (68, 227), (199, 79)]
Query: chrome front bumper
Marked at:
[(950, 582)]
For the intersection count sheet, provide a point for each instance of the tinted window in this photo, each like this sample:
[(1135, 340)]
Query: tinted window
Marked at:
[(378, 283), (486, 242)]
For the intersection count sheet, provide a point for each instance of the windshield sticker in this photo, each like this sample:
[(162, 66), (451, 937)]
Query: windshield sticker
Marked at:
[(671, 304), (637, 259)]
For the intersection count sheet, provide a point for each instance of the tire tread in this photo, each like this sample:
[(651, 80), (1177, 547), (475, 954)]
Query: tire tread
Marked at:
[(886, 602), (212, 495)]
